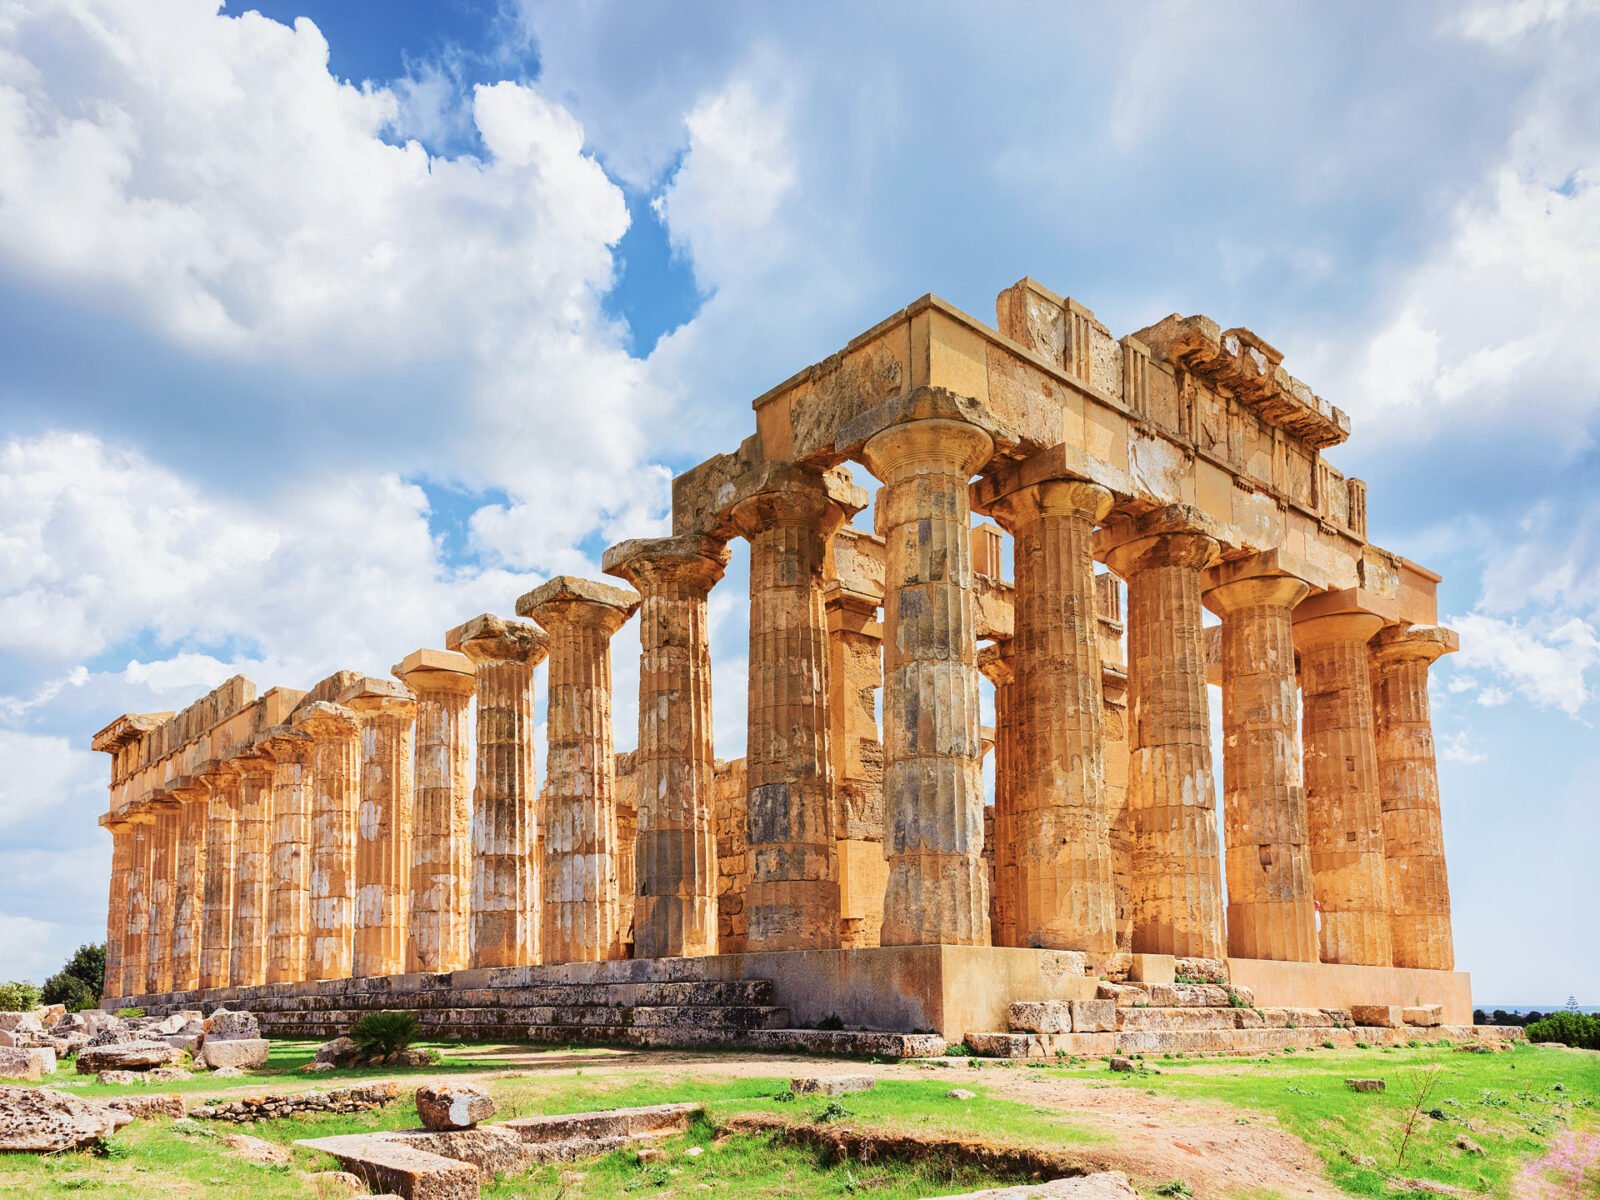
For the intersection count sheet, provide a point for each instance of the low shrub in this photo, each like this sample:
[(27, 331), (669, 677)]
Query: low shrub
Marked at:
[(381, 1035), (18, 996), (1581, 1030)]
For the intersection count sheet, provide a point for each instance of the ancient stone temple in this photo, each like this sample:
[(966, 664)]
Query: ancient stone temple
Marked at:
[(1179, 545)]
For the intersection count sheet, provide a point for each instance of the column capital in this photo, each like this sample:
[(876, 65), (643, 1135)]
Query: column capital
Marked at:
[(1176, 535), (994, 661), (1022, 503), (188, 789), (248, 762), (937, 407), (322, 719), (651, 563), (1351, 614), (927, 444), (785, 494), (1399, 643), (114, 823), (1269, 577), (286, 743), (374, 697), (436, 673), (567, 602), (491, 639)]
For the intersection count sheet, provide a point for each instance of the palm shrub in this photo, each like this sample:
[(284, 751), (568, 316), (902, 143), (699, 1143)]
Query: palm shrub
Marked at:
[(383, 1035)]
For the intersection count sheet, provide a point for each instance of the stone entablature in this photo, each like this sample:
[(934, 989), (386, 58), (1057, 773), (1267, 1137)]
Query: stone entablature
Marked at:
[(349, 831)]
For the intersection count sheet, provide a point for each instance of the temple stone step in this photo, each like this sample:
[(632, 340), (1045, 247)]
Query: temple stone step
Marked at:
[(1175, 995), (1177, 1018), (1041, 1045)]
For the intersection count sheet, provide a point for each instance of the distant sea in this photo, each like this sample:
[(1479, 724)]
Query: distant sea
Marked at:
[(1519, 1009)]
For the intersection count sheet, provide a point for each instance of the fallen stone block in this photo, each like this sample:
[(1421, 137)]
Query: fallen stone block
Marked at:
[(1365, 1085), (453, 1105), (1102, 1185), (381, 1162), (125, 1056), (146, 1107), (119, 1078), (256, 1150), (831, 1085), (1384, 1016), (31, 1063), (228, 1024), (1119, 1063), (1426, 1016), (493, 1149), (21, 1022), (234, 1052), (335, 1183), (339, 1052), (961, 1094), (44, 1120)]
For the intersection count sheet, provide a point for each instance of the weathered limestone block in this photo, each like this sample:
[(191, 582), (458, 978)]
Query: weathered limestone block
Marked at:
[(1383, 1016), (30, 1062), (1177, 883), (47, 1121), (505, 874), (163, 894), (1365, 1085), (251, 865), (1271, 909), (1425, 1016), (117, 902), (189, 872), (830, 1085), (336, 788), (1341, 773), (1065, 895), (453, 1105), (1408, 783), (439, 911), (1042, 1016), (580, 915), (216, 920), (1093, 1016), (135, 942), (675, 841), (289, 902), (932, 776), (733, 857), (128, 1056), (793, 899), (386, 712), (246, 1053)]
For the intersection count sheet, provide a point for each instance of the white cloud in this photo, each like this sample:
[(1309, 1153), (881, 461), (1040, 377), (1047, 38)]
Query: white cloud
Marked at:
[(1547, 665), (1461, 747), (29, 948), (1501, 23), (43, 773)]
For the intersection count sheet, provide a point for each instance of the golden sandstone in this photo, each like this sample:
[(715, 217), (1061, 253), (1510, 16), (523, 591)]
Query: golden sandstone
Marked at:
[(369, 828)]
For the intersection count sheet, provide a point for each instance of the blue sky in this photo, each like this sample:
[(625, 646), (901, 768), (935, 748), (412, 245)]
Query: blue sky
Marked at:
[(329, 324)]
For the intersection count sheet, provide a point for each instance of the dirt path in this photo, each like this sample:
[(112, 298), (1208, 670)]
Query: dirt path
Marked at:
[(1560, 1174)]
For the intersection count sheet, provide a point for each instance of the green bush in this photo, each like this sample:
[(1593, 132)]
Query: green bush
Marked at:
[(18, 996), (1581, 1030), (383, 1034), (68, 990), (88, 963)]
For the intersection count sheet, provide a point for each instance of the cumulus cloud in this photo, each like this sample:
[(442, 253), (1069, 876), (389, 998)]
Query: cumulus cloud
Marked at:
[(1548, 666)]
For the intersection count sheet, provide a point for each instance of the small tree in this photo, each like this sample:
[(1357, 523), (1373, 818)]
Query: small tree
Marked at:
[(68, 991), (1420, 1085), (18, 996)]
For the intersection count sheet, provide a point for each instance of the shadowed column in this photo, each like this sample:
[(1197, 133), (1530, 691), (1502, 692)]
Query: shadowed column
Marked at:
[(383, 826), (121, 832), (163, 892), (251, 851), (580, 916), (1345, 813), (1271, 908), (135, 946), (675, 845), (335, 768), (505, 876), (938, 889), (994, 661), (441, 821), (289, 901), (1177, 881), (1408, 782), (793, 897), (188, 873), (1065, 897), (216, 917)]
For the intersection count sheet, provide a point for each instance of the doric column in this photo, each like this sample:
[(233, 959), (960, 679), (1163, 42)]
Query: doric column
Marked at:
[(675, 858), (1343, 807), (505, 875), (163, 893), (216, 917), (793, 899), (121, 832), (579, 922), (386, 712), (189, 874), (1408, 782), (1172, 808), (441, 821), (289, 858), (1065, 893), (1271, 908), (994, 661), (252, 834), (938, 889), (135, 944), (335, 769)]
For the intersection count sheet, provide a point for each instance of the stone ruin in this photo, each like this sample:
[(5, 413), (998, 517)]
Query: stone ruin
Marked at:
[(373, 830)]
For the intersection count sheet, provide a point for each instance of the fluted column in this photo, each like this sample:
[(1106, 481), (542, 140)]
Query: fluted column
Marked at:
[(251, 862), (1344, 810), (441, 822), (1271, 907), (1408, 783), (289, 899), (1172, 807), (675, 855), (793, 897), (994, 661), (163, 894), (505, 876), (216, 920), (121, 832), (581, 882), (335, 768), (135, 944), (188, 875), (383, 826), (938, 890), (1065, 889)]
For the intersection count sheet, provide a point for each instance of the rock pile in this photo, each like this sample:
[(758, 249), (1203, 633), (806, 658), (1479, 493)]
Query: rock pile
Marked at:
[(358, 1098), (44, 1120)]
